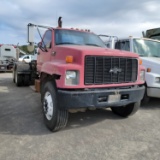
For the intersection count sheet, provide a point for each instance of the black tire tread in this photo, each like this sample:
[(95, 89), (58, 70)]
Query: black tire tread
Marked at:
[(60, 118), (19, 80), (125, 111), (26, 80), (145, 99), (13, 74)]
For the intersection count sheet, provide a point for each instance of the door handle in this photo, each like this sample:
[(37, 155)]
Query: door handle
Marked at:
[(53, 53)]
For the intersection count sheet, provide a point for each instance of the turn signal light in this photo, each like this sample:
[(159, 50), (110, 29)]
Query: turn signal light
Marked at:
[(69, 59), (140, 61), (148, 69)]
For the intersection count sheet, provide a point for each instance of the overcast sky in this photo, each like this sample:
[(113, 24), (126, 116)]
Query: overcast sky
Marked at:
[(112, 17)]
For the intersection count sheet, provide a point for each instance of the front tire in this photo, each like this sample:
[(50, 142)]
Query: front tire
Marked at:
[(54, 117), (145, 99), (125, 111)]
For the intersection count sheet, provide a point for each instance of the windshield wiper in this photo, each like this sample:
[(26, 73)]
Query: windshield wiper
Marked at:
[(142, 55), (90, 44), (155, 56), (66, 43)]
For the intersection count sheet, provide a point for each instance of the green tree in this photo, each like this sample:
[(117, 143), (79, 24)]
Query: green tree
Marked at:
[(24, 48)]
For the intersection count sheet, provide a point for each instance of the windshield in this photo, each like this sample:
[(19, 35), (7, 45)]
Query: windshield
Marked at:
[(77, 38), (146, 48)]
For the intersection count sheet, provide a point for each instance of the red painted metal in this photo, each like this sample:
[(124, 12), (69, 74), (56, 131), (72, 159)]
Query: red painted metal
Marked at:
[(56, 64)]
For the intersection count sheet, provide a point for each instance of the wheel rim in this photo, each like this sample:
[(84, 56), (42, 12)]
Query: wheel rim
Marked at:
[(48, 105)]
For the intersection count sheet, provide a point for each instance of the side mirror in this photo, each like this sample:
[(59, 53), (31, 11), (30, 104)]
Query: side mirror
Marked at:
[(44, 49), (30, 33), (40, 44)]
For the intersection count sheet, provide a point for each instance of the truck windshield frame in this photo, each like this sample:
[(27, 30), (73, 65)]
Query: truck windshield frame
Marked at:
[(72, 37), (146, 48)]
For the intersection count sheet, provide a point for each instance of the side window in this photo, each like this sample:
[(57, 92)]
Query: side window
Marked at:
[(123, 45), (26, 57), (126, 46), (47, 39), (117, 45)]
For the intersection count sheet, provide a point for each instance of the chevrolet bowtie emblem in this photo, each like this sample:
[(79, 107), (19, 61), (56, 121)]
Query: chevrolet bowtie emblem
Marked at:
[(115, 70)]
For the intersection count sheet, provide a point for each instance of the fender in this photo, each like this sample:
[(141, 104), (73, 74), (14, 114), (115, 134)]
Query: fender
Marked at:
[(51, 68), (59, 68), (150, 80), (141, 67)]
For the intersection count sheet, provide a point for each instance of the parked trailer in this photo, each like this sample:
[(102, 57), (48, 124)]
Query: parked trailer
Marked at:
[(76, 71), (153, 33), (8, 55)]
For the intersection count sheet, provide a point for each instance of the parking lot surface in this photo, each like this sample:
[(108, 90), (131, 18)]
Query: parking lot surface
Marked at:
[(92, 135)]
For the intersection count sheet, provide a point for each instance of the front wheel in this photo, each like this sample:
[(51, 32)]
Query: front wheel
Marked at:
[(145, 99), (127, 110), (54, 117)]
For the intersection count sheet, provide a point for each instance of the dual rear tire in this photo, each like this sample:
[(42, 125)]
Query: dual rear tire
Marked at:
[(21, 79)]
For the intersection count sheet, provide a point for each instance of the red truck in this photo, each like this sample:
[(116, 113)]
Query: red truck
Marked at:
[(77, 71)]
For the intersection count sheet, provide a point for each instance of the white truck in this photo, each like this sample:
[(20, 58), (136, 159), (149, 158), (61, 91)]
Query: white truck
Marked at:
[(149, 51), (153, 33), (8, 55)]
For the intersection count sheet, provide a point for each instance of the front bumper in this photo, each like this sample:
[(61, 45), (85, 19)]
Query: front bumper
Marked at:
[(3, 67), (153, 92), (99, 98)]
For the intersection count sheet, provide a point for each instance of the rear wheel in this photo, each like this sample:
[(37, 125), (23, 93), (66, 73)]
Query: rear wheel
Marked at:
[(54, 117), (18, 79), (13, 74), (26, 79), (126, 111)]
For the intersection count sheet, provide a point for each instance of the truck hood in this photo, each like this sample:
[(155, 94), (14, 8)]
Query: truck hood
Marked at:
[(151, 59), (151, 62), (92, 50)]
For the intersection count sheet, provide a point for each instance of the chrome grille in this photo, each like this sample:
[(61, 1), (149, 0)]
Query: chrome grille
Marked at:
[(109, 70)]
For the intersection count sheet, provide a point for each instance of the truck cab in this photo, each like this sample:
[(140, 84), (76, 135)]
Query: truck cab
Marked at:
[(77, 71), (148, 50), (8, 55), (153, 33)]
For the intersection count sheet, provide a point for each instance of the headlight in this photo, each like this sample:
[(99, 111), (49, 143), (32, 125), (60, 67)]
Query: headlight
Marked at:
[(71, 78), (142, 75), (157, 79)]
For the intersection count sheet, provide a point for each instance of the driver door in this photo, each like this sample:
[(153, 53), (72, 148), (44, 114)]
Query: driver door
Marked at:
[(44, 54)]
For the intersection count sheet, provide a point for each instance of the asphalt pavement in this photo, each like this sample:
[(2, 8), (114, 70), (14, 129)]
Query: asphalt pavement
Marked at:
[(92, 135)]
